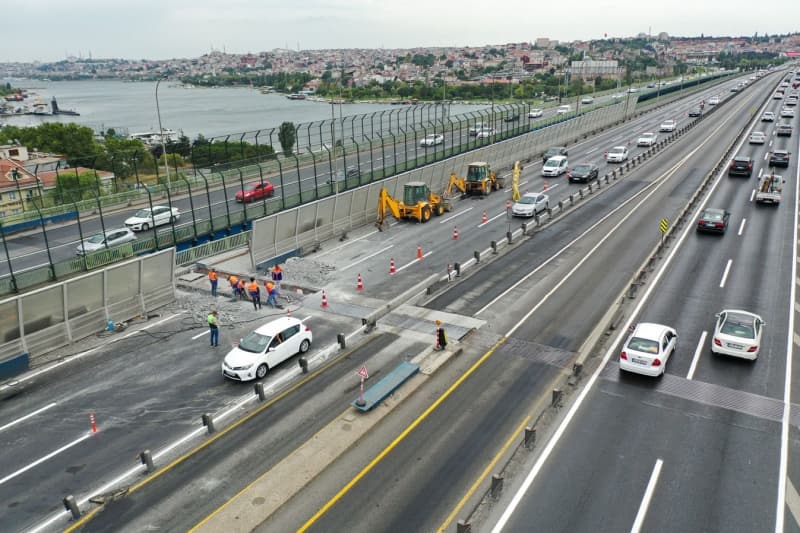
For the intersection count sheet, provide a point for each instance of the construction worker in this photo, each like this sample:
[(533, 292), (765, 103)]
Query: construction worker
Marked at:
[(277, 276), (441, 336), (213, 326), (242, 289), (212, 277), (255, 293), (234, 281), (271, 293)]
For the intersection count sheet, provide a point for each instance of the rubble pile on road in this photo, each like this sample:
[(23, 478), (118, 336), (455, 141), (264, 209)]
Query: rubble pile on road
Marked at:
[(307, 272)]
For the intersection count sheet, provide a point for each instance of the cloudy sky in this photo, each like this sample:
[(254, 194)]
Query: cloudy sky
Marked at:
[(50, 30)]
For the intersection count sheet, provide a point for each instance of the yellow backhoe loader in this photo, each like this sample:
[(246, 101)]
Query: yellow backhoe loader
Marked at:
[(480, 180), (418, 203)]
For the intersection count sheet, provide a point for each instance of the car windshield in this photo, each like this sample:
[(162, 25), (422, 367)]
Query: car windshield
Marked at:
[(528, 200), (647, 135), (553, 151), (714, 216), (553, 162), (95, 239), (643, 345), (738, 327), (581, 169), (254, 343), (142, 213), (617, 150)]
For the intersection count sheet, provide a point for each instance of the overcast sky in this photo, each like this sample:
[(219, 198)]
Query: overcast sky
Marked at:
[(50, 30)]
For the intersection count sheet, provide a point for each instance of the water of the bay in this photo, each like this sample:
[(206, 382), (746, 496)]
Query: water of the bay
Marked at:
[(130, 107)]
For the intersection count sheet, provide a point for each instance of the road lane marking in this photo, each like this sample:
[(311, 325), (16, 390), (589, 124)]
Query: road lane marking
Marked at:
[(760, 171), (793, 500), (725, 274), (766, 155), (752, 194), (697, 352), (413, 262), (370, 256), (482, 224), (29, 415), (206, 332), (456, 215), (648, 495), (45, 458), (741, 226), (348, 243)]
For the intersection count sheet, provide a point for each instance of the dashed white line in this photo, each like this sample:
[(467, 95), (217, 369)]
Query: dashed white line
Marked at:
[(206, 332), (370, 256), (725, 274), (456, 215), (45, 458), (697, 352), (648, 495), (414, 261), (752, 194), (741, 226), (29, 415), (482, 224), (760, 172)]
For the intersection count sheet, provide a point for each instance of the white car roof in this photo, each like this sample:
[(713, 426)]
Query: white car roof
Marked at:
[(274, 327), (556, 159), (619, 148), (648, 330)]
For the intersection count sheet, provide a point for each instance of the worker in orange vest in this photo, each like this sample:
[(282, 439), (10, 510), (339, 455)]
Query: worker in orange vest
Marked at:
[(277, 276), (242, 288), (212, 277), (234, 281), (271, 293), (255, 293)]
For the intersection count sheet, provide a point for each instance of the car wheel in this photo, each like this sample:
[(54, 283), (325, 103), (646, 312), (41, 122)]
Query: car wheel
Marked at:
[(305, 345), (145, 226), (261, 371)]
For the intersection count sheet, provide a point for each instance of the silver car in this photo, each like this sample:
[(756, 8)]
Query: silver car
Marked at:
[(109, 239), (530, 204), (758, 137)]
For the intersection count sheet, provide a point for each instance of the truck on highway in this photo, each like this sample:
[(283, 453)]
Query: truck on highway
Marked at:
[(769, 189)]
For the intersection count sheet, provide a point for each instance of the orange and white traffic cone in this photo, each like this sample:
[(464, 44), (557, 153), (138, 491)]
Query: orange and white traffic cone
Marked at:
[(419, 251), (93, 423), (359, 284), (288, 311), (392, 270), (455, 233), (324, 300), (484, 218), (545, 185)]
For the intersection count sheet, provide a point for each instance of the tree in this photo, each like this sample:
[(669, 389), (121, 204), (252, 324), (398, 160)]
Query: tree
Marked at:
[(286, 136)]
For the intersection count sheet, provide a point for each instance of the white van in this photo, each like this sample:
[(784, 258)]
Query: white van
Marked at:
[(563, 109), (555, 166), (265, 348)]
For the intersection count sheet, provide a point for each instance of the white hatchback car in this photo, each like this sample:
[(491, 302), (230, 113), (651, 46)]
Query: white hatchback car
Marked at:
[(648, 349), (530, 204), (109, 239), (147, 218), (714, 100), (787, 112), (535, 113), (618, 154), (647, 139), (555, 166), (265, 348), (737, 333), (432, 139), (563, 109), (668, 125)]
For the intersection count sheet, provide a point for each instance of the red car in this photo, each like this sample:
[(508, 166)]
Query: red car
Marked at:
[(256, 191)]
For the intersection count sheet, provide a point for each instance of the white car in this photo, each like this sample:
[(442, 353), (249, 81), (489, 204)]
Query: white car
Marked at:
[(530, 204), (563, 109), (432, 140), (633, 90), (648, 349), (617, 96), (265, 348), (474, 130), (647, 139), (485, 133), (587, 100), (787, 112), (758, 137), (668, 125), (777, 96), (144, 219), (617, 154), (109, 239), (535, 113), (768, 116), (555, 166), (714, 100), (737, 333)]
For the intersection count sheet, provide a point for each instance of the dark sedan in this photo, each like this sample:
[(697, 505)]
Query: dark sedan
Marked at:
[(695, 112), (714, 220), (779, 158), (512, 118), (741, 165), (583, 172), (556, 150)]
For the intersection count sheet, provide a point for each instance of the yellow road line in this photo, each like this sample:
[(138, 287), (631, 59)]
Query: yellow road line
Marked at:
[(88, 516), (411, 427), (463, 501)]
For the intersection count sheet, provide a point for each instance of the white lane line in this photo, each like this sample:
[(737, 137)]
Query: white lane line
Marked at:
[(206, 332), (306, 319), (45, 458), (349, 242), (793, 500), (648, 495), (760, 171), (766, 155), (590, 151), (370, 256), (29, 415), (456, 215), (482, 224), (697, 352), (752, 194), (741, 226), (414, 261), (725, 274), (71, 358)]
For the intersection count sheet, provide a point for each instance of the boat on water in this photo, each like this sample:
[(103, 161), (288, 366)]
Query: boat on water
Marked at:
[(296, 96), (153, 138), (40, 107)]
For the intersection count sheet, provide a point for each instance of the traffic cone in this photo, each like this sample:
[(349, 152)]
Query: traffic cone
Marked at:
[(359, 284), (484, 218), (288, 311), (419, 251), (629, 142), (93, 423), (605, 154), (391, 267), (455, 233), (545, 185), (324, 300)]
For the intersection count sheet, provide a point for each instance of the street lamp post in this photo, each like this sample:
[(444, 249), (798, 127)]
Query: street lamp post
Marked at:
[(161, 130)]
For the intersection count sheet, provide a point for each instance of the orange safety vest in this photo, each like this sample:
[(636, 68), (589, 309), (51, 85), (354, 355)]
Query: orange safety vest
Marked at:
[(234, 280), (269, 285), (212, 276), (252, 286), (241, 284)]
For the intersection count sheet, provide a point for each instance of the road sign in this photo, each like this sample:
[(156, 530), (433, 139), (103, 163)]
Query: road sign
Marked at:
[(363, 372), (663, 225)]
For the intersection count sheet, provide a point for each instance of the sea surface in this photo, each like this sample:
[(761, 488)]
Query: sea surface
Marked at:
[(130, 107)]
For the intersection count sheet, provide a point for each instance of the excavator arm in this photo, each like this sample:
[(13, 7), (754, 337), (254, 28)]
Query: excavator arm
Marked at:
[(456, 182), (386, 202)]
